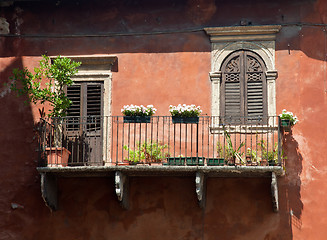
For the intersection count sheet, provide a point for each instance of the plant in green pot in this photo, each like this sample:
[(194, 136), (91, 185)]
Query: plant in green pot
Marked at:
[(185, 113), (138, 114), (57, 75), (288, 120)]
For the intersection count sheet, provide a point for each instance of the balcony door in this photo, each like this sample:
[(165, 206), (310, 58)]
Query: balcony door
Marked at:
[(84, 128)]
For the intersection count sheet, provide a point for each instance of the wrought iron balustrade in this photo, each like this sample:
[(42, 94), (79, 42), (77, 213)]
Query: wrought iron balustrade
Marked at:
[(113, 140)]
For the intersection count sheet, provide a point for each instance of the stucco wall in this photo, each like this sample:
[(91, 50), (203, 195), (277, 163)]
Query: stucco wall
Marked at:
[(169, 67)]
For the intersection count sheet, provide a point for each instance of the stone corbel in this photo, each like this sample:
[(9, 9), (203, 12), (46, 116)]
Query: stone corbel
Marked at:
[(200, 188), (49, 190), (274, 192), (121, 185)]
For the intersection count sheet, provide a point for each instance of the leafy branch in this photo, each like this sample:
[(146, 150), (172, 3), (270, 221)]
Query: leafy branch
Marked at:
[(58, 73)]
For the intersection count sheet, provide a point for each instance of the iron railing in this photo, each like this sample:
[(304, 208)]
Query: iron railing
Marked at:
[(113, 140)]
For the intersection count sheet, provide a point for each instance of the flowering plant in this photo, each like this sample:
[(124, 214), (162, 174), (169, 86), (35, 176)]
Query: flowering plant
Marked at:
[(134, 110), (288, 116), (185, 110)]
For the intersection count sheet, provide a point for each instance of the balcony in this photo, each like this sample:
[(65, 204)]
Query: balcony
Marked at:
[(114, 145)]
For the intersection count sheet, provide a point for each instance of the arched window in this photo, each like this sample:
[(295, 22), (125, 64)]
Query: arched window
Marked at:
[(243, 89)]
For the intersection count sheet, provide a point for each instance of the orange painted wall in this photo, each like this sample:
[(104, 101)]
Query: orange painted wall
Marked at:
[(164, 69)]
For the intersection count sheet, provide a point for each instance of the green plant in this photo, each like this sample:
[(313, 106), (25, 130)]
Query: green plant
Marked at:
[(58, 73), (252, 154), (134, 110), (270, 155), (185, 110), (228, 152), (285, 115), (148, 152)]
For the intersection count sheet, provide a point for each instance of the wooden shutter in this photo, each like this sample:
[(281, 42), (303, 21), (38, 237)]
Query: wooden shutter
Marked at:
[(243, 88), (87, 104), (256, 97), (232, 94)]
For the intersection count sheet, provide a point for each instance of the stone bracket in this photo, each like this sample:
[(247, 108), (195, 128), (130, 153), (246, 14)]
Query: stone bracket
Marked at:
[(49, 190), (200, 188), (274, 192), (122, 188)]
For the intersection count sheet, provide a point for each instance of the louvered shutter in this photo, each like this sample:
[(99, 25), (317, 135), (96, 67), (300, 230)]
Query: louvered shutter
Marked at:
[(255, 102), (87, 103), (243, 88), (231, 96), (74, 111)]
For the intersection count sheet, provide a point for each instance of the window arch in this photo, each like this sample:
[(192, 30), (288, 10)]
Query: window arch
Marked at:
[(243, 87)]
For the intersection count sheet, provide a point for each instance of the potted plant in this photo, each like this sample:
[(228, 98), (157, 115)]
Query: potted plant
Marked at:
[(137, 114), (251, 157), (185, 113), (269, 157), (288, 119), (229, 153), (58, 75), (147, 152)]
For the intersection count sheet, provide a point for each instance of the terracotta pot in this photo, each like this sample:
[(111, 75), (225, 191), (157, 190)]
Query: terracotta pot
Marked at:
[(57, 156)]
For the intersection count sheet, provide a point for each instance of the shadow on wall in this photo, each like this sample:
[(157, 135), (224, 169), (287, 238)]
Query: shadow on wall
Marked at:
[(20, 183), (290, 190)]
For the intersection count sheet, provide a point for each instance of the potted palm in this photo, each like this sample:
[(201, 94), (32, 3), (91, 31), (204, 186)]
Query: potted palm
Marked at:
[(185, 113), (58, 74)]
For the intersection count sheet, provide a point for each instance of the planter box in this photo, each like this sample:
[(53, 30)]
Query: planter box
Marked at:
[(185, 119), (215, 161), (137, 119), (57, 157), (195, 161), (177, 161), (286, 125)]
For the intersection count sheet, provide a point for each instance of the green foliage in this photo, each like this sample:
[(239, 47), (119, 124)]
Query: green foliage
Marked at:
[(270, 155), (147, 152), (228, 152), (252, 154), (58, 74)]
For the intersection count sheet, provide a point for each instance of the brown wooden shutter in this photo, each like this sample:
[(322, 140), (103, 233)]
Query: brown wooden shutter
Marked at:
[(243, 88), (87, 104), (256, 97)]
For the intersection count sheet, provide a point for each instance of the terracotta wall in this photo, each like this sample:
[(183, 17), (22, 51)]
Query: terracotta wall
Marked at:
[(163, 69)]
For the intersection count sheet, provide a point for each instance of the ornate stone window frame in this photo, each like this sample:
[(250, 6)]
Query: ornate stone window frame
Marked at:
[(259, 39)]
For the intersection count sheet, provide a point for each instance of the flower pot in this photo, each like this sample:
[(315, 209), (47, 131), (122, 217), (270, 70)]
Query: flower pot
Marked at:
[(286, 125), (272, 163), (195, 161), (215, 161), (263, 162), (178, 161), (57, 157), (137, 119), (231, 161), (185, 119)]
